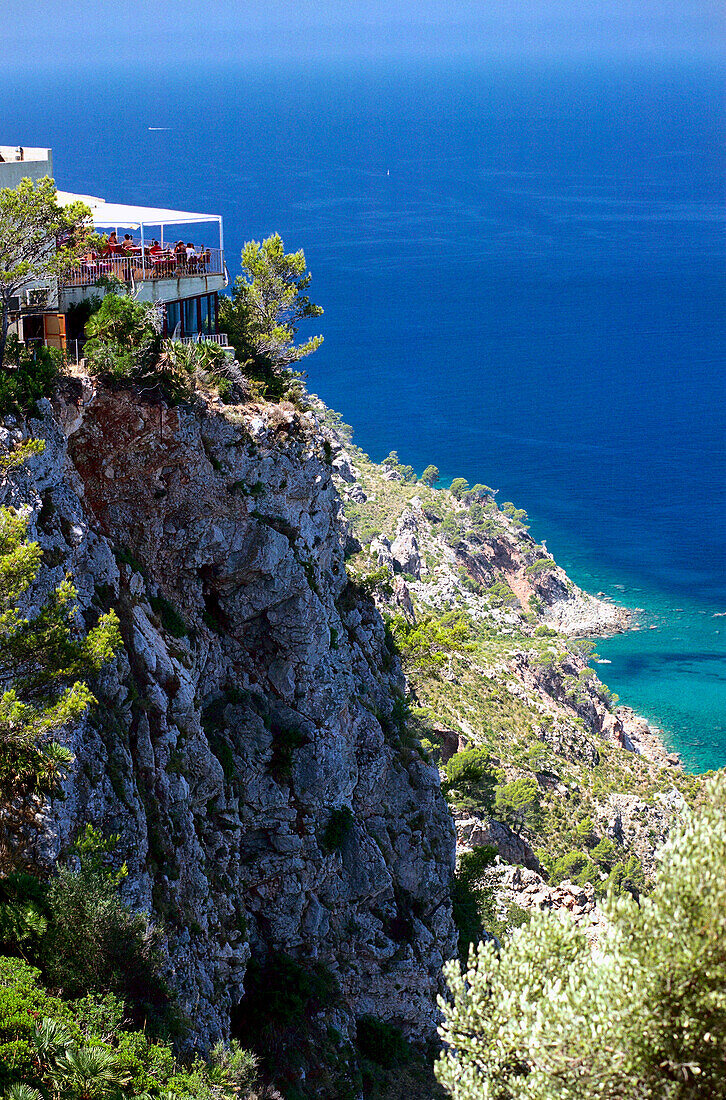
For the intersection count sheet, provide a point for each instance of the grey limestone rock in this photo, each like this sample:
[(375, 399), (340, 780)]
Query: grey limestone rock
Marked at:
[(219, 755)]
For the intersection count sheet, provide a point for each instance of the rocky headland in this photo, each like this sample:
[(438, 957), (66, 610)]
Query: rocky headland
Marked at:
[(309, 638)]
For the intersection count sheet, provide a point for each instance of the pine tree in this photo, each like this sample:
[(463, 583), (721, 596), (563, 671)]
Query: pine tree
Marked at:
[(268, 303), (44, 660)]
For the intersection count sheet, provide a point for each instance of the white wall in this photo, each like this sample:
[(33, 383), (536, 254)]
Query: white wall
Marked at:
[(35, 164)]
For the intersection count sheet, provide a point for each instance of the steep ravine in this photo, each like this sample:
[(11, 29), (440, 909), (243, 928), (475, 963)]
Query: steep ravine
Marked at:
[(246, 746)]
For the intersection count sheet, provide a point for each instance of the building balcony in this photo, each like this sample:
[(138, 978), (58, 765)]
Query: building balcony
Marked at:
[(133, 268), (152, 272)]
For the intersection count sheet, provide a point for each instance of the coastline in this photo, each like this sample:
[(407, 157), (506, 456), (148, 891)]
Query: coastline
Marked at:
[(449, 573)]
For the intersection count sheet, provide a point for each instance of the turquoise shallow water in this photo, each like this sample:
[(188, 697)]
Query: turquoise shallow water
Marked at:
[(671, 667), (522, 271)]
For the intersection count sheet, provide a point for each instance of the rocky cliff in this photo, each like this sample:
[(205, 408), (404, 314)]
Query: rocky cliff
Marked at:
[(274, 776), (248, 744)]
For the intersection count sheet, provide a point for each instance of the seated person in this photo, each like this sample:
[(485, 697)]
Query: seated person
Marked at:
[(155, 247), (180, 251), (127, 242)]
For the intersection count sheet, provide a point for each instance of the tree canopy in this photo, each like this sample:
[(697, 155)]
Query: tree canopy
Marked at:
[(268, 302), (642, 1016), (39, 239), (517, 803)]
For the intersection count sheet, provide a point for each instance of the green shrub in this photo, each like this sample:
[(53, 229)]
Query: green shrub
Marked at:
[(518, 515), (627, 877), (604, 853), (429, 644), (479, 492), (285, 741), (27, 376), (471, 772), (22, 1002), (171, 620), (280, 1019), (123, 339), (85, 1050), (574, 866), (473, 864), (430, 475), (458, 487), (376, 582), (542, 565), (339, 825), (642, 1016), (518, 803), (381, 1042), (94, 943), (38, 658), (500, 594), (477, 905)]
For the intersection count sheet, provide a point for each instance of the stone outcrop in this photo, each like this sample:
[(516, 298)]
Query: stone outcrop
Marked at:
[(404, 549), (529, 890), (475, 829), (246, 745)]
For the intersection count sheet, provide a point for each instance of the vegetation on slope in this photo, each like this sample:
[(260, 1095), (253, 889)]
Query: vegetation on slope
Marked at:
[(84, 1009), (486, 672), (643, 1017)]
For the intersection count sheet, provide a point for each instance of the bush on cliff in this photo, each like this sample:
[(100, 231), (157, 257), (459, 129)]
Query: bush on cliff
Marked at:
[(262, 316), (28, 375), (43, 662), (430, 475), (123, 339), (518, 803), (643, 1016), (471, 772), (458, 487)]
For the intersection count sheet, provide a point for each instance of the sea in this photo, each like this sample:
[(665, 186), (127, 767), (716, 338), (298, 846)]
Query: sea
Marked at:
[(522, 270)]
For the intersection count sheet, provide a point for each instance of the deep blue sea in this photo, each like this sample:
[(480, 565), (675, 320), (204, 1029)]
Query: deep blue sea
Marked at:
[(522, 270)]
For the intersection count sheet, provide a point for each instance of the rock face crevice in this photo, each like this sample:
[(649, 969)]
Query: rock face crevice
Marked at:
[(247, 743)]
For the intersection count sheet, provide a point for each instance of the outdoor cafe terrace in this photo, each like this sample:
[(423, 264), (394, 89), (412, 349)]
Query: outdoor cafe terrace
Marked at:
[(134, 263), (144, 256)]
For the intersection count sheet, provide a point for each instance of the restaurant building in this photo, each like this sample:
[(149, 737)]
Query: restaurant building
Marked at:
[(184, 281)]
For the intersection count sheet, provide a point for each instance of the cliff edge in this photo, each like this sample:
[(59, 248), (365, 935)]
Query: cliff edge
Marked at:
[(248, 744)]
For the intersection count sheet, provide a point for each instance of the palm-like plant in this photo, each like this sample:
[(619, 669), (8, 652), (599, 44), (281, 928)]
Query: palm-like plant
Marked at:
[(54, 763), (22, 1092), (87, 1073), (51, 1038)]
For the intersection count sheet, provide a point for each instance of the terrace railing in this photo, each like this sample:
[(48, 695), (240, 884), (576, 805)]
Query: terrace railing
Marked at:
[(132, 269), (206, 337)]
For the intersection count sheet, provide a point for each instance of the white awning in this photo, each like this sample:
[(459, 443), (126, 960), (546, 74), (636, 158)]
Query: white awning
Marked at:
[(118, 215)]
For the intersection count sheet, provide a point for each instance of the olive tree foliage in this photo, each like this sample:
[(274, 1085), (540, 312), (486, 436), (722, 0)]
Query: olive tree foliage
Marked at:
[(641, 1015), (268, 302), (39, 239)]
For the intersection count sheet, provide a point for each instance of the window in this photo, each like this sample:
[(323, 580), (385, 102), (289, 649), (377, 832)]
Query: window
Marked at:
[(190, 317), (172, 317), (205, 320)]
